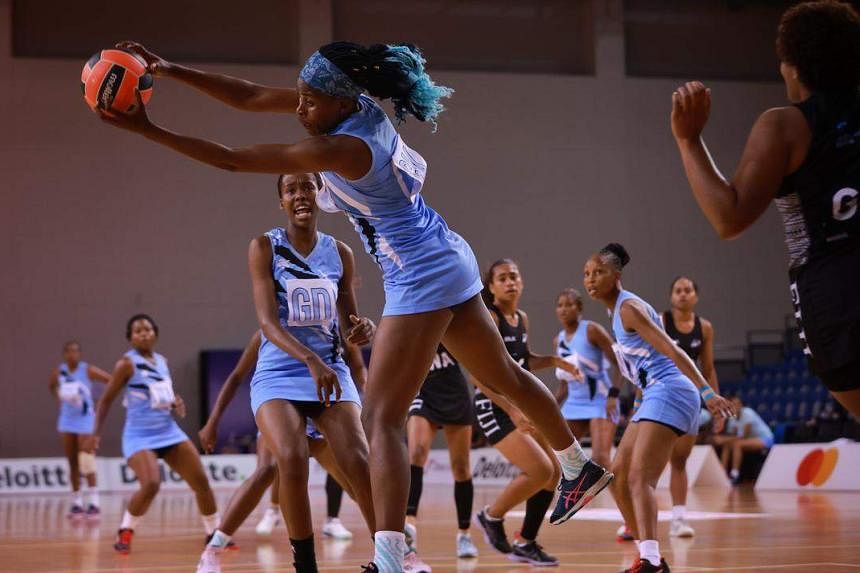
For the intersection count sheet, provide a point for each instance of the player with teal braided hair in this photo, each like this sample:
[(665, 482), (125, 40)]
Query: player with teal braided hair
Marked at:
[(430, 275)]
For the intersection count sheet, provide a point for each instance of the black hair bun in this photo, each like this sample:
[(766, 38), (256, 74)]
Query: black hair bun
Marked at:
[(619, 251)]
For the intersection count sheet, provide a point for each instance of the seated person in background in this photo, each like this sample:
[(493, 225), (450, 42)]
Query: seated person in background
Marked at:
[(746, 433), (828, 424)]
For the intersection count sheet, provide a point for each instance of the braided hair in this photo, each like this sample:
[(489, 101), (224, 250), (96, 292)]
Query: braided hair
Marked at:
[(391, 71)]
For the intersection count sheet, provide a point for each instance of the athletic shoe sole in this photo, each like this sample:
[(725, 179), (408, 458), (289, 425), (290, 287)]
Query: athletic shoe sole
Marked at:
[(590, 494), (521, 559)]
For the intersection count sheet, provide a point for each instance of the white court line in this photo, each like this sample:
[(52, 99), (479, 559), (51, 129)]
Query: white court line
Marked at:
[(288, 567), (608, 514), (767, 567)]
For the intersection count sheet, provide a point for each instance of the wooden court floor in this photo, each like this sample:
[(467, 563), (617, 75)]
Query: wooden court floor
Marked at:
[(737, 530)]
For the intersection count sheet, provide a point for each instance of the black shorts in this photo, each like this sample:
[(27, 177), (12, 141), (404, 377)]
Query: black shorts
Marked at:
[(827, 308), (842, 379), (444, 400), (494, 422), (309, 408), (164, 450)]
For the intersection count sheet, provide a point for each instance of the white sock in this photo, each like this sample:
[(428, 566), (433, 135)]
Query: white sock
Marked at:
[(129, 521), (389, 549), (734, 474), (211, 522), (571, 459), (93, 494), (78, 498), (219, 540), (679, 511), (650, 549)]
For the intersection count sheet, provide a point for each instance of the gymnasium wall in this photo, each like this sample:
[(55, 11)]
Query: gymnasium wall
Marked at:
[(97, 224)]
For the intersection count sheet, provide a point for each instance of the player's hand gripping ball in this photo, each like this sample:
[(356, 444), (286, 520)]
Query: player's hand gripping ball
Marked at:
[(110, 78)]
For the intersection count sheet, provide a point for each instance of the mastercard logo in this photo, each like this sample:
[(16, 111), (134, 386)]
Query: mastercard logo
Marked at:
[(817, 467)]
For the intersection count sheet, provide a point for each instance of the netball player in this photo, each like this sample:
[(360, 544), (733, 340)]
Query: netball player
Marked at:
[(695, 336), (670, 401), (430, 274), (512, 433), (72, 384), (806, 157), (303, 291), (150, 431), (589, 404), (443, 402)]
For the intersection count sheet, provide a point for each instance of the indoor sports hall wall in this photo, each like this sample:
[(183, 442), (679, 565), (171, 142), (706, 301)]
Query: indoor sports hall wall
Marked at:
[(96, 224)]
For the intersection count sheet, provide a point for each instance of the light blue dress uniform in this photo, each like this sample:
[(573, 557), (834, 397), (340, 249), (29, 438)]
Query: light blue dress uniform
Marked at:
[(758, 427), (668, 397), (75, 418), (586, 399), (425, 265), (147, 427), (306, 289)]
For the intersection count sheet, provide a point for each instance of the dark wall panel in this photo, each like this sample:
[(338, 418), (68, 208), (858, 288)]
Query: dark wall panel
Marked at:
[(524, 36), (262, 31)]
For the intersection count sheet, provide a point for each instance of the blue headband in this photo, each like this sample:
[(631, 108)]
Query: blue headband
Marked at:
[(319, 73)]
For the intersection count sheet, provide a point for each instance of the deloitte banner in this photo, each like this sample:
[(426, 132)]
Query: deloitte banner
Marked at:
[(834, 467), (29, 475), (489, 467)]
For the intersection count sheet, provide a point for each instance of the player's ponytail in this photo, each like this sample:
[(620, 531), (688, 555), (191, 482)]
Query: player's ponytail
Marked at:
[(391, 71)]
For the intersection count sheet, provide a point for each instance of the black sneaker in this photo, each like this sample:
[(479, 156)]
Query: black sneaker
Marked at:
[(93, 512), (76, 512), (644, 566), (370, 568), (494, 532), (574, 494), (533, 554)]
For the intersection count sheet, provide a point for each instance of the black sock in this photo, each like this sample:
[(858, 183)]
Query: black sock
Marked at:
[(416, 484), (333, 496), (464, 494), (305, 559), (536, 507)]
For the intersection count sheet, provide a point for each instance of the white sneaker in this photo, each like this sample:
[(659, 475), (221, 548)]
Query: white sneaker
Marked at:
[(270, 520), (413, 564), (465, 548), (209, 562), (334, 528), (680, 528), (623, 533), (411, 533)]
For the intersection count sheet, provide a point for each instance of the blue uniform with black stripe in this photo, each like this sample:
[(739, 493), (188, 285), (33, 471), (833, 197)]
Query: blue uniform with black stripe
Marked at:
[(306, 289), (425, 265), (668, 397), (585, 399), (147, 428), (76, 419)]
